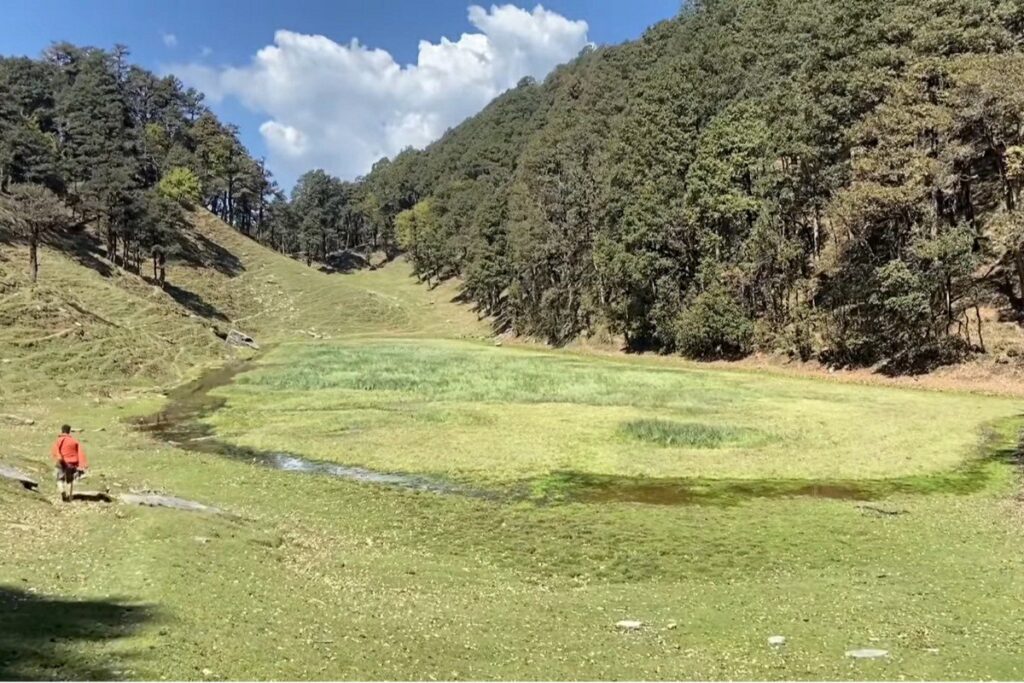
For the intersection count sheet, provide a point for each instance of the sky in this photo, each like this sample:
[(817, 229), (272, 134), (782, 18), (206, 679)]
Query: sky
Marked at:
[(336, 84)]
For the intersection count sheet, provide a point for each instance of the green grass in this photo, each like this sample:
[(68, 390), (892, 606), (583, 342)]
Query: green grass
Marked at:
[(316, 578), (500, 416), (684, 434)]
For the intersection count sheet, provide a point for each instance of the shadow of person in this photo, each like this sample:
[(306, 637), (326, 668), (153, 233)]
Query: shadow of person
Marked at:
[(47, 638)]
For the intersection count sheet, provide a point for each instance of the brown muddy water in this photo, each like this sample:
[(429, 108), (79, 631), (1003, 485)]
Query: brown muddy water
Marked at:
[(180, 424)]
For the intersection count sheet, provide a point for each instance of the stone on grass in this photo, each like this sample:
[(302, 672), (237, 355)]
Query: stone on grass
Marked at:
[(17, 420), (629, 625), (236, 338), (777, 641), (157, 500), (14, 474), (867, 653)]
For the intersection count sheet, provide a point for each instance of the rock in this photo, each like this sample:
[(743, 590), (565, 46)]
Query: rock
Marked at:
[(161, 501), (236, 338), (672, 625), (867, 653), (497, 343), (17, 420), (629, 625), (777, 641), (1012, 352), (207, 672), (14, 474), (932, 650)]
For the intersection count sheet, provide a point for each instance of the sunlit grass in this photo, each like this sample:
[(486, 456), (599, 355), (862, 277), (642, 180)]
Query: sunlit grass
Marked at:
[(316, 578), (502, 415)]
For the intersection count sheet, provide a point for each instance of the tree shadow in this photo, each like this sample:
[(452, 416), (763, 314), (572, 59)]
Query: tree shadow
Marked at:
[(194, 303), (198, 250), (83, 247), (42, 638), (344, 262)]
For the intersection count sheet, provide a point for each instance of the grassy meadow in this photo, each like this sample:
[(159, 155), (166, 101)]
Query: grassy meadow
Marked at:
[(497, 415), (314, 577)]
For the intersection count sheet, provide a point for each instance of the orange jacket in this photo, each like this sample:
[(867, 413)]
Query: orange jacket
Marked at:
[(67, 449)]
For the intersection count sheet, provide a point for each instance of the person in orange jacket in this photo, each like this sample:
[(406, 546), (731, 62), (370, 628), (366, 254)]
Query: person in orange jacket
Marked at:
[(69, 457)]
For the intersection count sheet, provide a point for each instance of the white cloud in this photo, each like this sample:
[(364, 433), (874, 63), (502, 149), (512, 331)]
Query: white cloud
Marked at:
[(170, 40), (206, 51), (343, 106)]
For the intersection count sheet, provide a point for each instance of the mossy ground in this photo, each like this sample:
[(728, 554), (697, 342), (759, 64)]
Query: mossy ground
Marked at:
[(315, 578)]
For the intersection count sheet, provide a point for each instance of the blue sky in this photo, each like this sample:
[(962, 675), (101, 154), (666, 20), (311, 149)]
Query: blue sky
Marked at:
[(296, 119)]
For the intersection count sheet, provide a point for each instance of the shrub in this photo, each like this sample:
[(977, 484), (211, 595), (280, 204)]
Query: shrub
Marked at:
[(714, 325)]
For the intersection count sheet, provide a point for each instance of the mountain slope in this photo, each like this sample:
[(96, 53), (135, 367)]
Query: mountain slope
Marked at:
[(830, 181), (88, 326)]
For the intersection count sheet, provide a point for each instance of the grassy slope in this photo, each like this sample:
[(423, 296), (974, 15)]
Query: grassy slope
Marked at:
[(316, 578)]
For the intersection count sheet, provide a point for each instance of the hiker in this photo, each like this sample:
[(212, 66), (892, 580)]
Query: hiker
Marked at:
[(69, 457)]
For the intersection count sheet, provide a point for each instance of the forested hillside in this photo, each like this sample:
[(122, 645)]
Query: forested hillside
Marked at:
[(837, 180)]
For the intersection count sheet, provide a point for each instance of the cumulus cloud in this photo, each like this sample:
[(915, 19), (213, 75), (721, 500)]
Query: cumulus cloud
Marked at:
[(170, 40), (344, 106)]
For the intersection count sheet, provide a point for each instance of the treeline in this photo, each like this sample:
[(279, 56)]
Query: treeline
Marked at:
[(837, 180), (87, 139), (830, 180)]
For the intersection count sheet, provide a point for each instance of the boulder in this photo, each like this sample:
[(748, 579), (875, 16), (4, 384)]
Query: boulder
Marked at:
[(162, 501), (14, 474), (867, 653), (629, 625), (236, 338), (777, 641)]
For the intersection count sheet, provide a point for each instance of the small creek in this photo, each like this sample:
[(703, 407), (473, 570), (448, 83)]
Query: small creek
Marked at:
[(181, 424)]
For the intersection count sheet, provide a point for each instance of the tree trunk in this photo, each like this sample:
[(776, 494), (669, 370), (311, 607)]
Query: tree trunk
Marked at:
[(33, 255), (1019, 263), (981, 339)]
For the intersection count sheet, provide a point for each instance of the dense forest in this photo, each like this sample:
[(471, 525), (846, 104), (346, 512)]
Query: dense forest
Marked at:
[(830, 180), (88, 140)]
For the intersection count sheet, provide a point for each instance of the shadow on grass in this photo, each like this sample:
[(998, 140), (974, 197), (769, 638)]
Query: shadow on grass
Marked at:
[(196, 249), (344, 262), (195, 303), (83, 247), (42, 638)]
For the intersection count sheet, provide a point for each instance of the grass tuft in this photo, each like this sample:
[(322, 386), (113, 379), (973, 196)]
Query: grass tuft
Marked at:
[(692, 434)]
